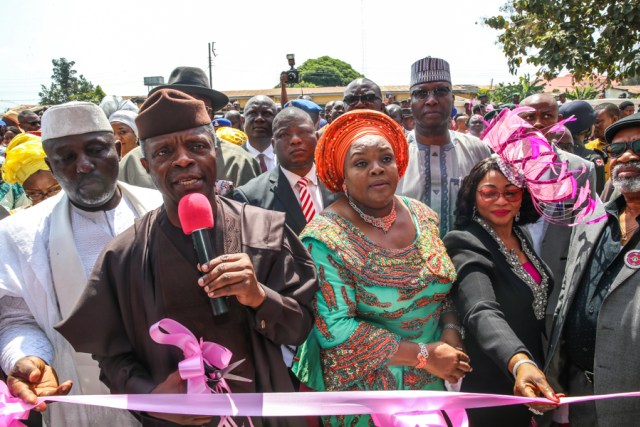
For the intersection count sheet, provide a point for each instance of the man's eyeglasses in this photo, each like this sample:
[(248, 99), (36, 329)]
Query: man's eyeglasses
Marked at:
[(33, 123), (37, 196), (439, 92), (365, 99), (488, 195), (617, 149)]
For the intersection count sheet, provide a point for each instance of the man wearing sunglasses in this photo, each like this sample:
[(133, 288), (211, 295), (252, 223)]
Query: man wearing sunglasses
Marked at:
[(363, 94), (439, 158), (29, 121), (596, 325)]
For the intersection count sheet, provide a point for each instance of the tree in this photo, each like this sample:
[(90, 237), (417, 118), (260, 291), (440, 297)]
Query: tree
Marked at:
[(67, 87), (325, 72), (503, 93), (587, 37)]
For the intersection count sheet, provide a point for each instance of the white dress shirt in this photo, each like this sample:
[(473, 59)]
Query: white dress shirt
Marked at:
[(269, 156)]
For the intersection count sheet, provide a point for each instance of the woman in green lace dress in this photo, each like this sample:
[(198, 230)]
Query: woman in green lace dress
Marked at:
[(383, 316)]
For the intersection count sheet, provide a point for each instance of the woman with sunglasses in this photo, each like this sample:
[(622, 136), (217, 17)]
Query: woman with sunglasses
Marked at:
[(501, 292)]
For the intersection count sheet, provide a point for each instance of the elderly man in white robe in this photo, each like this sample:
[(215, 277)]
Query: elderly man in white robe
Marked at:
[(439, 158), (48, 252)]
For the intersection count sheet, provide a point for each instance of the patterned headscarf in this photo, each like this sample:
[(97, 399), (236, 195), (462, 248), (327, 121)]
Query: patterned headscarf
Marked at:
[(24, 157), (334, 144)]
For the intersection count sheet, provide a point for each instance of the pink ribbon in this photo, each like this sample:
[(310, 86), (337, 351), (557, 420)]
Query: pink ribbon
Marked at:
[(196, 354), (400, 404), (12, 409)]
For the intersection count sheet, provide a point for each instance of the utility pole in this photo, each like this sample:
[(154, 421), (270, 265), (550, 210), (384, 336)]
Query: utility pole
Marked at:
[(212, 49)]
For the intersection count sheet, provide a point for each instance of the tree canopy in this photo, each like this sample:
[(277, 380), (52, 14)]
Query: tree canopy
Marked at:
[(526, 86), (65, 86), (325, 72), (587, 37)]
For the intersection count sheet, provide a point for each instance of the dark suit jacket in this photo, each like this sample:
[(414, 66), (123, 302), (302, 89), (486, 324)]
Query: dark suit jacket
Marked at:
[(272, 191), (617, 348), (496, 309)]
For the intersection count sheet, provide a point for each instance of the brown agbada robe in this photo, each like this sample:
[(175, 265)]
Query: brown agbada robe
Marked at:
[(149, 272)]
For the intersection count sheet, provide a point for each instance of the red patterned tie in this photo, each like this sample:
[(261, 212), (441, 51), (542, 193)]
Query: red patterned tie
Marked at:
[(305, 200)]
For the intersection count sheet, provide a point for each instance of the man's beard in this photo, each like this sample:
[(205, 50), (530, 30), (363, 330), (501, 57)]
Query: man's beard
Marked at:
[(625, 185)]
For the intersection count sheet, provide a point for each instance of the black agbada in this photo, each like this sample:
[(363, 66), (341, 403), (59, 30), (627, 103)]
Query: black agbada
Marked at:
[(149, 272)]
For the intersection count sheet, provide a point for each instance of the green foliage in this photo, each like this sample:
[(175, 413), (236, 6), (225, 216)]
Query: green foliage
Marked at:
[(326, 72), (582, 92), (67, 87), (503, 93), (586, 37)]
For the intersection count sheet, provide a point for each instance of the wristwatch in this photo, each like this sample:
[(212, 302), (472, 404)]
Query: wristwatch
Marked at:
[(423, 355), (458, 328)]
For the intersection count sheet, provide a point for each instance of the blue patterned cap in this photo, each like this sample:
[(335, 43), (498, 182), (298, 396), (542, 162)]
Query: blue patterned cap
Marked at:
[(430, 69)]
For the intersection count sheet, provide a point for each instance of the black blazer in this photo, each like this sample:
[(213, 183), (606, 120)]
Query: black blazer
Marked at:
[(272, 191), (496, 310)]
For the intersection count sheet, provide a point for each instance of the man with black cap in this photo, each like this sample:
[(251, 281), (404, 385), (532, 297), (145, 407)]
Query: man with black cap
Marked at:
[(234, 164), (48, 252), (596, 330), (261, 269), (438, 158)]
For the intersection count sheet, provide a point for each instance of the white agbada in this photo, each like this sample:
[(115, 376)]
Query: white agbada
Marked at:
[(434, 173), (40, 260)]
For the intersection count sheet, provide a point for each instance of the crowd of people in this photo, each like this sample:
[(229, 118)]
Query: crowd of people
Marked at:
[(357, 246)]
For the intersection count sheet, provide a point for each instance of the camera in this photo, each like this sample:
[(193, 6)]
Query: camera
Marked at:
[(293, 76)]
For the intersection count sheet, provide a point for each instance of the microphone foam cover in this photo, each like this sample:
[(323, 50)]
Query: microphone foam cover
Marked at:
[(195, 213)]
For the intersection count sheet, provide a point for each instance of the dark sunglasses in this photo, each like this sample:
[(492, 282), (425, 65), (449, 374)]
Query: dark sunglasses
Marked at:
[(365, 99), (439, 92), (33, 123), (492, 195), (617, 149)]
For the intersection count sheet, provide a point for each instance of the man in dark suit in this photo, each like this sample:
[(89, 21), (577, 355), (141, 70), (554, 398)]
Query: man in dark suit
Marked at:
[(551, 241), (294, 143), (595, 341)]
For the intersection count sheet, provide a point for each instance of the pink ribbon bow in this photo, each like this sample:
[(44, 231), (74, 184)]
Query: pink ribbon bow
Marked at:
[(197, 354)]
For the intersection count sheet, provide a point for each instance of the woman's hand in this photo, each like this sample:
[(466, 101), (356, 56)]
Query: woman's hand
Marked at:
[(531, 382), (447, 362), (453, 338)]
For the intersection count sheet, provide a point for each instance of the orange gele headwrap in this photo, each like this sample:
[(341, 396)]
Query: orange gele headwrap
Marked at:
[(345, 130)]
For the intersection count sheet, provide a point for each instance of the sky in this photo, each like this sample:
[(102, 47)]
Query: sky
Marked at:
[(117, 43)]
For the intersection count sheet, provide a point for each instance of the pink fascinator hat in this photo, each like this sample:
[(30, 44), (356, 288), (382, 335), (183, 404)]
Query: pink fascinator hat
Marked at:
[(561, 195)]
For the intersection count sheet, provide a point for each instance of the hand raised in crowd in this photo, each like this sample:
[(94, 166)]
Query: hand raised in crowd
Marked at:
[(447, 362), (31, 378), (232, 275), (174, 384), (283, 78)]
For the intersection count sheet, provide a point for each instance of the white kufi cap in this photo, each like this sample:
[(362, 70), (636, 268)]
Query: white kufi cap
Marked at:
[(73, 118)]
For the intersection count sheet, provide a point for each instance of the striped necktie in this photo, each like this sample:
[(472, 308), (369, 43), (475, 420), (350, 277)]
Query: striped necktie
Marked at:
[(308, 210)]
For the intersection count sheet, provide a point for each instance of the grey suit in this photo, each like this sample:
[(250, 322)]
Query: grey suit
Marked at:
[(555, 242), (273, 191), (617, 348)]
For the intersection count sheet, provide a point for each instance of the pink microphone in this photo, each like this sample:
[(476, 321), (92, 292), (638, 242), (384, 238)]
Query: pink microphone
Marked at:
[(196, 219)]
